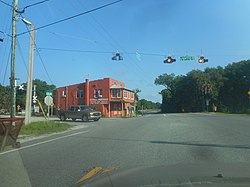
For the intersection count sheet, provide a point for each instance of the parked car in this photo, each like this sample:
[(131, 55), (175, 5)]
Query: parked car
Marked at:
[(83, 112)]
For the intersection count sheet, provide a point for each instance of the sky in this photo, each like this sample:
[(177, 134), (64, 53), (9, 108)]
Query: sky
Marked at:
[(144, 32)]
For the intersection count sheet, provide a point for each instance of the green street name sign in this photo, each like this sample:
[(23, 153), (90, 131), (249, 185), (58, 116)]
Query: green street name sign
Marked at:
[(49, 92), (184, 58)]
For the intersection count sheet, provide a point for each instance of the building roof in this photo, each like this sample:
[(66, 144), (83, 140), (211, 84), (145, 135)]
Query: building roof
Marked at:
[(129, 90), (115, 86)]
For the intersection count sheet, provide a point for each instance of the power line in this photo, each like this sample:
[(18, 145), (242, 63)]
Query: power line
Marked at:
[(71, 17), (23, 9), (5, 33), (22, 57), (115, 44), (6, 3), (6, 66), (44, 67), (6, 41), (35, 4), (91, 51), (43, 64), (77, 51)]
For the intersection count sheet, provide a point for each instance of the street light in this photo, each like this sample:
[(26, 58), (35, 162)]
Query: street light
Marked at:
[(30, 72), (27, 22)]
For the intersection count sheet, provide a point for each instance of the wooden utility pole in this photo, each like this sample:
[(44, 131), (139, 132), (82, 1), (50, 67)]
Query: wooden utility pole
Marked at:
[(28, 105), (13, 62)]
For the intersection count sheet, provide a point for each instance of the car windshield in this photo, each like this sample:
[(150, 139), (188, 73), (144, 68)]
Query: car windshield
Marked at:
[(94, 88), (86, 108)]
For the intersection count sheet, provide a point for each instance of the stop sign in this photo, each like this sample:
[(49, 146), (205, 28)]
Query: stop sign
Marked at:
[(48, 100)]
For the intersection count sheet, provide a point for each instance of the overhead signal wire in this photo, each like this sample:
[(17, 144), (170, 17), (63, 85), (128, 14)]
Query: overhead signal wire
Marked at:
[(9, 5), (112, 42), (8, 60), (7, 29), (72, 17), (43, 64), (22, 56), (117, 44)]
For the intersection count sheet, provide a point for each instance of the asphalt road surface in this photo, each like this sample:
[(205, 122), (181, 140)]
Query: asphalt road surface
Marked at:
[(150, 140)]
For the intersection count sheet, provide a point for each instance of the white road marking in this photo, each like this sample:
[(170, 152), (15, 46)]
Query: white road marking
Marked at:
[(44, 142)]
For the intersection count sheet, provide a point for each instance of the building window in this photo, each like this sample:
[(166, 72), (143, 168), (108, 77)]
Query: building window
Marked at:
[(132, 95), (117, 107), (79, 94), (97, 93), (125, 94), (116, 93), (64, 93)]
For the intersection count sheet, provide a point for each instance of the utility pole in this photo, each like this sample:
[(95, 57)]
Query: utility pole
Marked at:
[(13, 62), (30, 75)]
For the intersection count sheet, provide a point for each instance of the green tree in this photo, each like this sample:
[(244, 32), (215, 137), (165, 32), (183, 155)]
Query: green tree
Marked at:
[(5, 97), (41, 88), (233, 94), (225, 88), (170, 82)]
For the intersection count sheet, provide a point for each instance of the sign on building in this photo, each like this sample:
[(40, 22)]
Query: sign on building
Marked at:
[(99, 101)]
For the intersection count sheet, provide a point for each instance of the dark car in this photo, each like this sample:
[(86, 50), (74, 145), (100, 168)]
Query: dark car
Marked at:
[(83, 112)]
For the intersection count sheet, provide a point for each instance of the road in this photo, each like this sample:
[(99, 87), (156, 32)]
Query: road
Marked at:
[(150, 140)]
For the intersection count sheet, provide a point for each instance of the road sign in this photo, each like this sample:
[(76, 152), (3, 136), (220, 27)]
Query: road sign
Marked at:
[(34, 98), (184, 58), (48, 100), (49, 92), (18, 108)]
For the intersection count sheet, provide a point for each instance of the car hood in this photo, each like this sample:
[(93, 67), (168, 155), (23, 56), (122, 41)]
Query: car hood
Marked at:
[(181, 175)]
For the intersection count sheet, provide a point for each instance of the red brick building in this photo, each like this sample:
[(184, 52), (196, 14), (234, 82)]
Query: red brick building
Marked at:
[(107, 95)]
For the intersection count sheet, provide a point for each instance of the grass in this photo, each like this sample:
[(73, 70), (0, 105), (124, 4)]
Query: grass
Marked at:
[(39, 128), (232, 114)]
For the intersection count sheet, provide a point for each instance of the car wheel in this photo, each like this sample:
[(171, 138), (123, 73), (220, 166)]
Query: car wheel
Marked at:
[(62, 118), (84, 118), (96, 119)]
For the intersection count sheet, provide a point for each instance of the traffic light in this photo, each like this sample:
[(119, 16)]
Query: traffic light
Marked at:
[(117, 57), (202, 60), (169, 60)]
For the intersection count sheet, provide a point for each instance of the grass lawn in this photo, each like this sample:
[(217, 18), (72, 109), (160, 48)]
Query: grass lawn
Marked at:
[(39, 128)]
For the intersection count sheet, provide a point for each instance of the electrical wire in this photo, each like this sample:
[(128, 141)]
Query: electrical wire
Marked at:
[(43, 64), (117, 44), (6, 42), (22, 57), (89, 51), (5, 33), (6, 3), (114, 44), (8, 60), (77, 51), (71, 17), (34, 4)]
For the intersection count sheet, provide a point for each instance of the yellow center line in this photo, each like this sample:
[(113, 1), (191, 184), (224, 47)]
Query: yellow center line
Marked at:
[(90, 174), (108, 169)]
